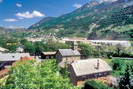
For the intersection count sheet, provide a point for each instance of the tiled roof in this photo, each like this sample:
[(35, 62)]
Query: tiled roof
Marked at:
[(89, 66), (69, 52), (3, 72)]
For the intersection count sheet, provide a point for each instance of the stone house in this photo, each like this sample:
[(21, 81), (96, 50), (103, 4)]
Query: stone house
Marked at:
[(67, 56), (82, 70)]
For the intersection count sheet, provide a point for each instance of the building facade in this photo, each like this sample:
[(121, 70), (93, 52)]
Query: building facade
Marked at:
[(67, 56), (111, 42)]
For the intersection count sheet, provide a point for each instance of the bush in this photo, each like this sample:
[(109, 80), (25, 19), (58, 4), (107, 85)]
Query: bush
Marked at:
[(91, 84), (117, 64), (126, 79), (34, 75), (87, 50)]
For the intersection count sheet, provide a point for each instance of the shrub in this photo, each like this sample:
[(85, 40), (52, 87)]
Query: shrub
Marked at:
[(117, 64), (34, 75), (87, 50), (91, 84)]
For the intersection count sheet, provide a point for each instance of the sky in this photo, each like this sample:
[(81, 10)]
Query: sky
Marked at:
[(24, 13)]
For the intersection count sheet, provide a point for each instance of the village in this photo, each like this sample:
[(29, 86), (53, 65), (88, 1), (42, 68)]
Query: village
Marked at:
[(80, 68), (66, 44)]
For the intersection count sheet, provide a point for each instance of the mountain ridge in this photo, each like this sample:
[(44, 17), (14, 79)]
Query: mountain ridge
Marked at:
[(97, 19)]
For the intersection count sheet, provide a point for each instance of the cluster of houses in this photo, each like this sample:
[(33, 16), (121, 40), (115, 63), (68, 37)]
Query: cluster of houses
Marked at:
[(43, 38), (7, 60), (80, 69)]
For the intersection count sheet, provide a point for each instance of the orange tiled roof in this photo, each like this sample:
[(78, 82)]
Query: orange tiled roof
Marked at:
[(3, 72)]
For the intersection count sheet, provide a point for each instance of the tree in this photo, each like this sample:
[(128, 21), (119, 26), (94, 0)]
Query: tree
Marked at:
[(54, 46), (39, 47), (34, 75), (118, 64), (11, 44), (51, 77), (29, 47), (91, 84), (126, 79), (23, 41), (87, 50), (119, 50), (23, 75)]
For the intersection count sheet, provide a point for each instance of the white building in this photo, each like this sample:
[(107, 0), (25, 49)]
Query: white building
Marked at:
[(111, 42), (3, 50)]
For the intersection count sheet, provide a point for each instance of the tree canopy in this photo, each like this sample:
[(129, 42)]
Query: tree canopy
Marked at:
[(34, 75), (91, 84)]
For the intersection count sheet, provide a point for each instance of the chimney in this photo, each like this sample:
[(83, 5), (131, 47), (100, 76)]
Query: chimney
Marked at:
[(98, 64), (13, 56)]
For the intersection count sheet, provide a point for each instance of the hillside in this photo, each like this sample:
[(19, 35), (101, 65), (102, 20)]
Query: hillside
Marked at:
[(13, 32), (107, 20), (42, 21)]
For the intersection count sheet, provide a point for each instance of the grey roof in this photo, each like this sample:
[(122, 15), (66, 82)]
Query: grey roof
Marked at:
[(69, 52), (86, 67), (12, 56)]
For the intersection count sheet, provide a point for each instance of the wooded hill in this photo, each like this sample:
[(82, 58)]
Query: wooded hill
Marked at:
[(107, 20)]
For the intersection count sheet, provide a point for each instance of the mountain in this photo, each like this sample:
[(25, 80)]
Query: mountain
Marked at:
[(106, 20), (12, 32), (42, 21)]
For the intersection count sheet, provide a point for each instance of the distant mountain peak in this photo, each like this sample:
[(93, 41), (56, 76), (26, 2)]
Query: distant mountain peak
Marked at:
[(91, 3)]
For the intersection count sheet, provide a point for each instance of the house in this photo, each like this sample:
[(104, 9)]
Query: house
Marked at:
[(48, 55), (5, 71), (67, 56), (6, 59), (3, 50), (82, 70), (76, 39)]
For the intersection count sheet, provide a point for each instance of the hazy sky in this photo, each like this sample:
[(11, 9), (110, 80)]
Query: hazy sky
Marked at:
[(23, 13)]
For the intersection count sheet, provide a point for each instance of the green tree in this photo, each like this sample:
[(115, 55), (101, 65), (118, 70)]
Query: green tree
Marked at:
[(118, 64), (87, 50), (11, 44), (91, 84), (39, 47), (34, 75), (54, 46), (23, 75), (29, 47), (126, 79)]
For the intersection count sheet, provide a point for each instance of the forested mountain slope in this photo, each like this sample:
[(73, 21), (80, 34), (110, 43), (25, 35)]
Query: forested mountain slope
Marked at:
[(107, 20)]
